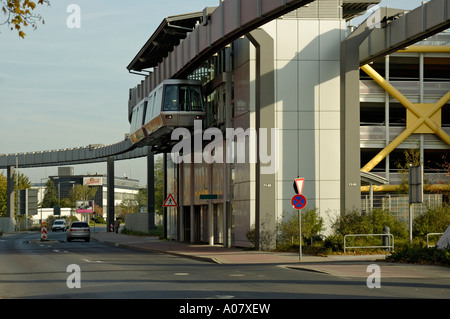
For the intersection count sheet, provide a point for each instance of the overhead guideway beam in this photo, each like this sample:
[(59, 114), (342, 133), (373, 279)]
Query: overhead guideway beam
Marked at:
[(388, 30), (396, 32), (229, 21), (71, 156)]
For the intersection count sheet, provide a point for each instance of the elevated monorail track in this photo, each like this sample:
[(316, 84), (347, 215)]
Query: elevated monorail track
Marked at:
[(71, 156)]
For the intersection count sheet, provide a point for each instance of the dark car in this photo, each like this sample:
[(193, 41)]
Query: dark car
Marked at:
[(79, 230)]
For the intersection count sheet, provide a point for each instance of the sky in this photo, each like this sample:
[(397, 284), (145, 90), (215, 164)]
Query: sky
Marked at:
[(63, 87)]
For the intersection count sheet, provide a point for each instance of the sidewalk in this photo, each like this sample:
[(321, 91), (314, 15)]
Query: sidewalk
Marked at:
[(347, 266)]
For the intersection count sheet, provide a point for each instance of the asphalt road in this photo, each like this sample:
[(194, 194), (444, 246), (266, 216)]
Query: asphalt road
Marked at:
[(32, 269)]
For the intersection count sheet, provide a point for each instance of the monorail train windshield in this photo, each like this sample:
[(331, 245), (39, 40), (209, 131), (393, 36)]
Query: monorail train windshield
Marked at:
[(183, 98)]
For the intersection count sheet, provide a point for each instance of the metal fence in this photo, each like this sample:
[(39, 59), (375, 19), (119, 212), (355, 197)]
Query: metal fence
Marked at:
[(389, 246), (398, 204), (428, 238)]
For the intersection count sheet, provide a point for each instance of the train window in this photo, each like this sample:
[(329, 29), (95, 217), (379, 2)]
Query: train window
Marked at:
[(171, 98), (133, 121), (136, 118), (149, 114), (157, 101), (196, 98), (184, 98), (139, 114)]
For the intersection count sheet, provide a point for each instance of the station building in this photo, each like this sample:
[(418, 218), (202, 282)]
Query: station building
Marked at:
[(282, 81)]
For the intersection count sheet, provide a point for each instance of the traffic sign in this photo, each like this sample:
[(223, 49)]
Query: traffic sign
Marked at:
[(170, 202), (298, 201), (298, 185)]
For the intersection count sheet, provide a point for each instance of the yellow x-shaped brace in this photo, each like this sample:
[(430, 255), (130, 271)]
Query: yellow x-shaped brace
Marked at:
[(422, 118)]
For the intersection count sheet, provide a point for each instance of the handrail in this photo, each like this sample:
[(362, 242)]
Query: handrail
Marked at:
[(434, 234), (390, 246)]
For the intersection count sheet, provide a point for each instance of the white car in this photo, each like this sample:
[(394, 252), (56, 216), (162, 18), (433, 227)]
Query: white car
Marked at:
[(59, 224)]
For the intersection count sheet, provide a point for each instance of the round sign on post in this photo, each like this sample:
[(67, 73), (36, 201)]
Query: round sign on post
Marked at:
[(298, 201)]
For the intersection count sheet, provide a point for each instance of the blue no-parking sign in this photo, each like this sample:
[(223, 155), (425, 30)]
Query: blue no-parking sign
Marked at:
[(298, 201)]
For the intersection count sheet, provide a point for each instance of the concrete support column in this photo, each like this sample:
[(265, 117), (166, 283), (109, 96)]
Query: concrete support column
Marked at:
[(350, 119), (151, 189), (265, 208), (210, 209), (192, 193), (110, 193), (181, 225), (10, 192), (165, 195)]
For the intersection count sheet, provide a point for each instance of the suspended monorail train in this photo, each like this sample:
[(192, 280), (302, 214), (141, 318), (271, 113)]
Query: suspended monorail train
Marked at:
[(173, 103)]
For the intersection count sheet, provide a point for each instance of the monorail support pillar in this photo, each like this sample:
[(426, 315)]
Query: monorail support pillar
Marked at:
[(151, 189), (165, 195), (7, 223), (110, 194), (265, 211), (350, 118), (10, 192)]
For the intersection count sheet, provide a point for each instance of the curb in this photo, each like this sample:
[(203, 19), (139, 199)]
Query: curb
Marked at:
[(200, 258)]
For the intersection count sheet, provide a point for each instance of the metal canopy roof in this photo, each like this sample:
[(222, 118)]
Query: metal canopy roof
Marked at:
[(371, 178), (169, 33), (354, 8), (175, 28)]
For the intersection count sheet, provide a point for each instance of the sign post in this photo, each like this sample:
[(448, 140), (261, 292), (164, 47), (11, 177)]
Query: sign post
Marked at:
[(415, 192), (299, 202)]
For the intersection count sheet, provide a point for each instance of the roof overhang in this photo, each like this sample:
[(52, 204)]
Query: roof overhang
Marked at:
[(354, 8), (168, 35), (372, 179), (175, 28)]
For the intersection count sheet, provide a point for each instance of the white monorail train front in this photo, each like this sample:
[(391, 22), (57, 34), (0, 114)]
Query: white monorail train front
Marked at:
[(173, 103)]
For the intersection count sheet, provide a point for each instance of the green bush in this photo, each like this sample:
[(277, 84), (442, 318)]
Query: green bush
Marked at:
[(369, 223), (334, 243), (288, 232), (435, 220), (419, 254)]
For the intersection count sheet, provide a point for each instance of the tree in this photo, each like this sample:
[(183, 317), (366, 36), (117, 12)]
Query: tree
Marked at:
[(159, 184), (81, 192), (411, 157), (2, 195), (50, 199), (442, 170), (129, 206), (19, 13), (21, 182)]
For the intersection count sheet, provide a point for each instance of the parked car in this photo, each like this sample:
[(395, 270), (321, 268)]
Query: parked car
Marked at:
[(59, 224), (79, 230)]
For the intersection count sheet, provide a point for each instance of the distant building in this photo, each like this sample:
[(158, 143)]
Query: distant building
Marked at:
[(125, 188)]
